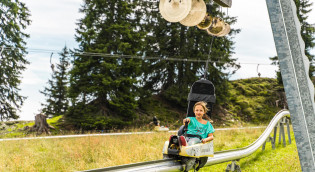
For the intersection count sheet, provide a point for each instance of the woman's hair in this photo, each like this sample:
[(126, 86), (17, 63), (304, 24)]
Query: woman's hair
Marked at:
[(204, 106)]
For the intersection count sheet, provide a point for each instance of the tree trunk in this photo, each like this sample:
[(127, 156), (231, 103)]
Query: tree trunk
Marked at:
[(41, 125)]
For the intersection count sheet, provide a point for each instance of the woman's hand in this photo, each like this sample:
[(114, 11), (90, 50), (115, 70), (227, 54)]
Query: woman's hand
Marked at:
[(186, 120), (209, 138)]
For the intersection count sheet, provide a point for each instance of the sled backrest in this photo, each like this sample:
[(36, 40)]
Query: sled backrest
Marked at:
[(201, 90)]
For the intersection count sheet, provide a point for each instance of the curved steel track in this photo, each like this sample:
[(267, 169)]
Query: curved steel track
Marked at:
[(107, 134), (219, 157)]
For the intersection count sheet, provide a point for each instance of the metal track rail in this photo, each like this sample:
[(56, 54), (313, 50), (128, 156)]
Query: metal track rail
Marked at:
[(219, 157), (109, 134), (149, 166)]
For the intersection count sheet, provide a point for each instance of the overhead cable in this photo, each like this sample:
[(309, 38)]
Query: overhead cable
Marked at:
[(92, 54)]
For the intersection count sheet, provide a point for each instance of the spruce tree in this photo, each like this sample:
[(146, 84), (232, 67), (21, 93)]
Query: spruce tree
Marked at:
[(56, 92), (172, 79), (14, 18), (103, 90), (304, 7)]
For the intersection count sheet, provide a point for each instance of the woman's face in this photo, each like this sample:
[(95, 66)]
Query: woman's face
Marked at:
[(199, 111)]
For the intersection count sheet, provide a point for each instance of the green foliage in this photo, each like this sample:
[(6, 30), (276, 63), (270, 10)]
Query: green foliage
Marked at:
[(56, 92), (89, 117), (253, 100), (168, 112), (14, 18), (107, 92), (104, 88), (304, 7), (173, 40)]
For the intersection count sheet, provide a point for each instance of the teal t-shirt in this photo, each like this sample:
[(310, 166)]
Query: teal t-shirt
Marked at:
[(196, 128)]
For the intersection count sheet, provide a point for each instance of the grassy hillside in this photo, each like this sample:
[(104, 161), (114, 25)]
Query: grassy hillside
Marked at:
[(16, 128), (248, 101), (253, 100)]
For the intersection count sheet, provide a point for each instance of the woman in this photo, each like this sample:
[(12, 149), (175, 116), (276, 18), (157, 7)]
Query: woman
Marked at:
[(199, 127)]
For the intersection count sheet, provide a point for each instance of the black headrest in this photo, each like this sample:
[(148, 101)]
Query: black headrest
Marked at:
[(202, 90)]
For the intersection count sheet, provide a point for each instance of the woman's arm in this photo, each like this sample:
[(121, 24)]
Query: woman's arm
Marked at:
[(186, 119), (209, 138)]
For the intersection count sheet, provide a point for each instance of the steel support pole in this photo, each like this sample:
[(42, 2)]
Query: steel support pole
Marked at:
[(294, 67), (275, 133), (282, 133), (288, 130)]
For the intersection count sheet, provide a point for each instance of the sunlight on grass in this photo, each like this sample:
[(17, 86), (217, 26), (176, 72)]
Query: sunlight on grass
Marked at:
[(73, 154), (279, 160)]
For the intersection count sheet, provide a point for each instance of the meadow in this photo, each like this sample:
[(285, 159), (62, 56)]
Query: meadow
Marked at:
[(75, 154)]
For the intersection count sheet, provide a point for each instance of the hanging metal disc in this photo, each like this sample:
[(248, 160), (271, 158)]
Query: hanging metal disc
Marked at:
[(224, 32), (206, 22), (196, 14), (217, 26), (175, 10)]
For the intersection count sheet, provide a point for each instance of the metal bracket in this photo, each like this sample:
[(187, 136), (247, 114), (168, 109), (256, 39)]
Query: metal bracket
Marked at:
[(224, 3), (269, 139), (233, 167), (280, 125)]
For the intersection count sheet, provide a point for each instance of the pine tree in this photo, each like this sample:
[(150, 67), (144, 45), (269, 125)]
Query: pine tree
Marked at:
[(14, 17), (56, 93), (101, 86), (172, 79), (307, 30)]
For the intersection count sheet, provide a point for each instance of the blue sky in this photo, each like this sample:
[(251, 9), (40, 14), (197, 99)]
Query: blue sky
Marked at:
[(53, 27)]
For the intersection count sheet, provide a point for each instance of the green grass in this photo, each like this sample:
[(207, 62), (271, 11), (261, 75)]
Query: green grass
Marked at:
[(76, 154), (278, 160), (253, 100), (16, 130), (54, 121)]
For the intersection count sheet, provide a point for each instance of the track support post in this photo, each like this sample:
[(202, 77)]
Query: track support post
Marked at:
[(275, 134), (233, 167), (281, 132), (270, 139), (288, 129)]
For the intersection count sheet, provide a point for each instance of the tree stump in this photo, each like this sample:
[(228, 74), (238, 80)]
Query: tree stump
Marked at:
[(41, 125)]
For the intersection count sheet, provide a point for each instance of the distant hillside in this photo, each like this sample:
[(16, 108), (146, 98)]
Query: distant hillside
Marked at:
[(251, 101), (254, 100), (247, 101)]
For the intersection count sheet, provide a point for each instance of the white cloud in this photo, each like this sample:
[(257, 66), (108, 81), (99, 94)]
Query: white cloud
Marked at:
[(254, 44), (56, 17), (53, 27)]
